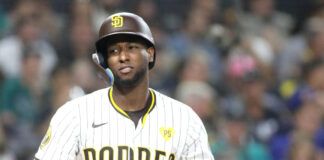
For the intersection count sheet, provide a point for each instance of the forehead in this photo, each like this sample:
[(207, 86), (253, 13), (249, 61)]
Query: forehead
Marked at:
[(124, 39), (123, 43)]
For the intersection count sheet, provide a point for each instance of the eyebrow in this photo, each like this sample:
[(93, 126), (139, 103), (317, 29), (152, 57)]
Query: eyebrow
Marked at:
[(128, 43)]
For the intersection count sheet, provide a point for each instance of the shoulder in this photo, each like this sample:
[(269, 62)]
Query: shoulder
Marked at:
[(83, 100), (72, 107), (164, 101)]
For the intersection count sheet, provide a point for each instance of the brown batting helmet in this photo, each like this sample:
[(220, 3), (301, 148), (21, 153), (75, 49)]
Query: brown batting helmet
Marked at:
[(123, 26)]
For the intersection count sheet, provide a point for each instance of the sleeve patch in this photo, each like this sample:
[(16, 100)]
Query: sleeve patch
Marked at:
[(167, 133), (47, 138)]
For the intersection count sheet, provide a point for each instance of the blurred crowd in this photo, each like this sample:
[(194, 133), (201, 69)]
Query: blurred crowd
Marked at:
[(253, 70)]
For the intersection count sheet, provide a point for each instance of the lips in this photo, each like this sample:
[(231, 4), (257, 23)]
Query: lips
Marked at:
[(125, 69)]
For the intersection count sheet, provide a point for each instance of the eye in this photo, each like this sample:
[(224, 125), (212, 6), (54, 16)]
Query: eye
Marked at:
[(113, 50), (133, 47)]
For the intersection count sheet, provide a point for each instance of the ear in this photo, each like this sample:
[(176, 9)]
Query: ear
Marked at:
[(151, 52)]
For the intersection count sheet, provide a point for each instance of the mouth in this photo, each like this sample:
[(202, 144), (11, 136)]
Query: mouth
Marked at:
[(125, 69)]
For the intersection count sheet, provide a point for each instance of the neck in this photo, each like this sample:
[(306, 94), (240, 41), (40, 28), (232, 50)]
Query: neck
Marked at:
[(131, 98)]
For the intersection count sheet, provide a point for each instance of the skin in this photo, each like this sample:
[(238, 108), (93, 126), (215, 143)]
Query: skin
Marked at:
[(129, 63)]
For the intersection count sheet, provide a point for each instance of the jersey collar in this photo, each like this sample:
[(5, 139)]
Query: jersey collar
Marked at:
[(122, 112)]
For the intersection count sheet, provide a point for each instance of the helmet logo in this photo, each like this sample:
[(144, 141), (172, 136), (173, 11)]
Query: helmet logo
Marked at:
[(117, 21)]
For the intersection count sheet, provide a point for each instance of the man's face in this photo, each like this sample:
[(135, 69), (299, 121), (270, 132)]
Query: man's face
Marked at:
[(129, 62)]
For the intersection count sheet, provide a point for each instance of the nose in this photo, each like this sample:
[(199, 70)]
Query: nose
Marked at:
[(123, 56)]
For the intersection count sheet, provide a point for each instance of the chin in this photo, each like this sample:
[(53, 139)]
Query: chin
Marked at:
[(127, 82), (130, 80)]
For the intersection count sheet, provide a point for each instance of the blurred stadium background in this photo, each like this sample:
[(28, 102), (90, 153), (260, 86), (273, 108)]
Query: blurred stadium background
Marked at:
[(253, 70)]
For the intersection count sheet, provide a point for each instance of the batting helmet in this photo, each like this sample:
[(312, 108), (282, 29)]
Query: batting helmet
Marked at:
[(123, 26)]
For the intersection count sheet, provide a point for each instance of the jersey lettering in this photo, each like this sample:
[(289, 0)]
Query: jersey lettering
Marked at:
[(172, 156), (88, 153), (142, 151), (108, 150), (158, 154), (125, 153)]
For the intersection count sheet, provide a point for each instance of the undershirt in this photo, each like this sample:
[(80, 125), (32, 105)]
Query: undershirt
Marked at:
[(135, 116)]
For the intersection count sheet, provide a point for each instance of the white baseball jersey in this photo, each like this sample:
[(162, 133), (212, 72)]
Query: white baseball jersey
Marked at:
[(94, 127)]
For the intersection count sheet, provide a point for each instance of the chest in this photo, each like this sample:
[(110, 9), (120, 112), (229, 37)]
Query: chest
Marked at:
[(159, 135)]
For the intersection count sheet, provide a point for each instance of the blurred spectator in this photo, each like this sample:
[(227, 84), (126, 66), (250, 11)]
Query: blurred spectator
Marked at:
[(81, 10), (2, 77), (257, 48), (164, 77), (61, 83), (3, 22), (196, 67), (78, 43), (302, 48), (50, 23), (261, 14), (312, 85), (202, 98), (21, 99), (80, 37), (20, 94), (234, 141), (307, 126), (172, 13), (302, 149), (210, 7), (5, 153), (60, 90), (104, 8), (89, 81), (40, 11), (148, 10), (193, 35), (232, 55), (263, 53), (249, 95), (315, 39), (11, 48), (310, 90), (22, 9), (271, 27)]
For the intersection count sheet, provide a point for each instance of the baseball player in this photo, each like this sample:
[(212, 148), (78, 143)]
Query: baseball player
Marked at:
[(129, 120)]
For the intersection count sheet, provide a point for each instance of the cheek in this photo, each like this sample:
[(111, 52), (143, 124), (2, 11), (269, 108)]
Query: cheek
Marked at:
[(112, 61), (142, 58)]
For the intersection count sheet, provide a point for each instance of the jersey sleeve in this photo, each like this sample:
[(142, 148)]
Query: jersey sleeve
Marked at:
[(62, 137), (196, 144)]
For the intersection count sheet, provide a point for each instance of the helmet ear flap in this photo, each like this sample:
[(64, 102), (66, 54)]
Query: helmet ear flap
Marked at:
[(101, 60), (98, 58), (100, 64)]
